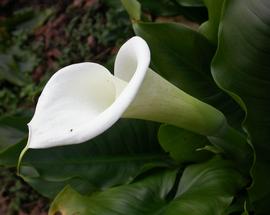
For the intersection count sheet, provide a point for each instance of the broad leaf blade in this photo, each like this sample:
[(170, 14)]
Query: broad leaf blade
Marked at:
[(182, 63), (9, 136), (205, 189), (115, 157), (210, 27), (13, 133), (183, 146), (242, 67), (10, 155), (147, 196), (183, 57)]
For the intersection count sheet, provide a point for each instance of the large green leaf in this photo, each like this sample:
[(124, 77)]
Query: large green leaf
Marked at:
[(17, 121), (207, 188), (9, 136), (115, 157), (147, 196), (210, 27), (242, 67), (10, 155), (183, 146), (13, 131), (183, 56), (185, 64), (204, 189)]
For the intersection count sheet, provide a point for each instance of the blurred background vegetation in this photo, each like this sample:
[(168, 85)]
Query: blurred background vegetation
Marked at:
[(36, 39)]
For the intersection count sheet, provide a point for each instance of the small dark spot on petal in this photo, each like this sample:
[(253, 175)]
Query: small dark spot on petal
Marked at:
[(71, 130)]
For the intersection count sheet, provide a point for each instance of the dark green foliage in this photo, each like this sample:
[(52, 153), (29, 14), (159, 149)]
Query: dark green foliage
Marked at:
[(115, 157), (241, 66), (184, 146), (204, 189)]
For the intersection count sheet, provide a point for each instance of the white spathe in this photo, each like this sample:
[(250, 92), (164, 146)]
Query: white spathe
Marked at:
[(83, 100)]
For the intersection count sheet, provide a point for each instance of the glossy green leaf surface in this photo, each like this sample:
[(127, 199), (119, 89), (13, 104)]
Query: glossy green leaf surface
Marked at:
[(9, 136), (182, 63), (207, 188), (187, 65), (183, 56), (204, 189), (235, 147), (147, 196), (10, 155), (210, 27), (13, 133), (242, 67), (183, 146), (115, 157)]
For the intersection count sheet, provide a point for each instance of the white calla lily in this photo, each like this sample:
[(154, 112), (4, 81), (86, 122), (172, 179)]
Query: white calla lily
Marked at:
[(83, 100)]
